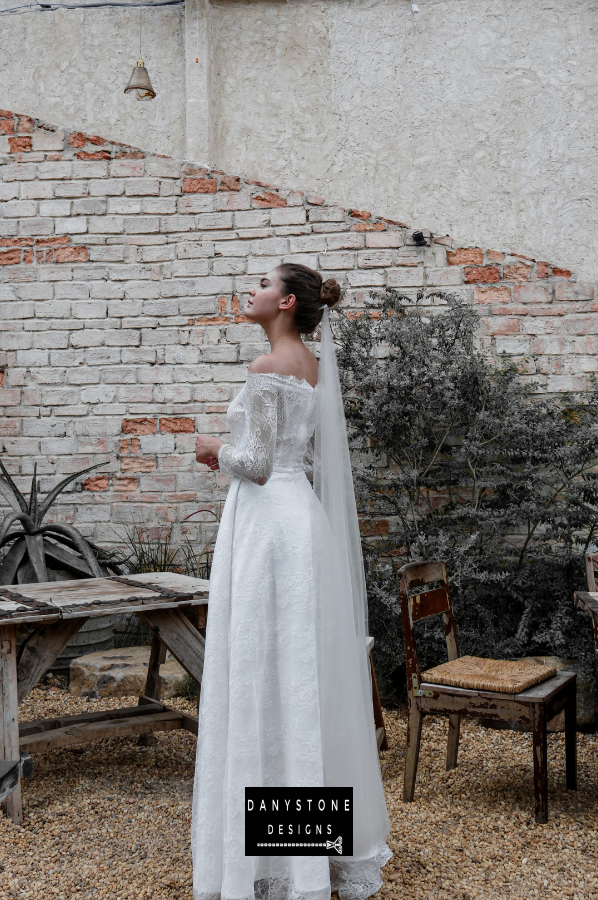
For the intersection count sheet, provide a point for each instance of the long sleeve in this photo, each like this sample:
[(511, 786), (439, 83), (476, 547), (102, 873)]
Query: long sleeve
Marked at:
[(255, 460)]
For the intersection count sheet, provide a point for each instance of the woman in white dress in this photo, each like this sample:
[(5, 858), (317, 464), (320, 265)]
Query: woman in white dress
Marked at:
[(286, 693)]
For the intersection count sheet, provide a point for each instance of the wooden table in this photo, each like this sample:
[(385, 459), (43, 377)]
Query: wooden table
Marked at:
[(172, 605)]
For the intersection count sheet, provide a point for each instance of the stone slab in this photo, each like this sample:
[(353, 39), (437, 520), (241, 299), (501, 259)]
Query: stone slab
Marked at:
[(122, 673)]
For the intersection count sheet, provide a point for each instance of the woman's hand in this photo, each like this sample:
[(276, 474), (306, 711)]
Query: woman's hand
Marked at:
[(206, 450)]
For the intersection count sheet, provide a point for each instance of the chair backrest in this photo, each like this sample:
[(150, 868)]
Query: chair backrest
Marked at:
[(591, 567), (425, 592)]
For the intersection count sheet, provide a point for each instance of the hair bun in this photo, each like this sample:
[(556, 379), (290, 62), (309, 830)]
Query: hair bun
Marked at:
[(331, 292)]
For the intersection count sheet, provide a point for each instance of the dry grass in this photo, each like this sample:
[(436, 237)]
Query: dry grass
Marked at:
[(110, 821)]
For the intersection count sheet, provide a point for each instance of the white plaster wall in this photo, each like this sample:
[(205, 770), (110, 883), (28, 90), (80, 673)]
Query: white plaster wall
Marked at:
[(69, 67), (477, 117)]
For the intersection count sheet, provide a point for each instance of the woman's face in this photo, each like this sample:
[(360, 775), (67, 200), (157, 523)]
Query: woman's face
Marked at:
[(266, 301)]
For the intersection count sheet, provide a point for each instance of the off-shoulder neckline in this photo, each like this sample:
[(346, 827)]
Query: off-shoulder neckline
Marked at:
[(292, 377)]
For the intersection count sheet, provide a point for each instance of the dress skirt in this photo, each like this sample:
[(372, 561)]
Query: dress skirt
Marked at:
[(259, 714)]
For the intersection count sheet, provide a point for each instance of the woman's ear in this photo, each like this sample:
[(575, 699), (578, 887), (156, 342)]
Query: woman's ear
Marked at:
[(287, 301)]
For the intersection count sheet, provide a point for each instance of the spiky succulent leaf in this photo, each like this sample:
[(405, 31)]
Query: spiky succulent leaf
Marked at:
[(10, 491)]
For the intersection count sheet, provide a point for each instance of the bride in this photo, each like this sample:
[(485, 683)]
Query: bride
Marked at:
[(286, 692)]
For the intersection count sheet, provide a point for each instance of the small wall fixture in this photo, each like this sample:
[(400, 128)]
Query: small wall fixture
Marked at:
[(140, 82), (419, 239)]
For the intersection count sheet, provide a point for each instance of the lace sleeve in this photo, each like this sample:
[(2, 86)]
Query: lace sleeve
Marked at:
[(308, 458), (255, 462)]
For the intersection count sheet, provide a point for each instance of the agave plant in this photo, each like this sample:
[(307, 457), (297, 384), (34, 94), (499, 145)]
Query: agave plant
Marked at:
[(38, 552)]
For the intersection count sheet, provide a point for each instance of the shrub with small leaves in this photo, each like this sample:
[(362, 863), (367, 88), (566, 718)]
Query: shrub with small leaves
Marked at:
[(456, 459)]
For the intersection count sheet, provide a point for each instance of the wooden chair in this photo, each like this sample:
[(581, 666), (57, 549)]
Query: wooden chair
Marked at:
[(381, 738), (424, 592)]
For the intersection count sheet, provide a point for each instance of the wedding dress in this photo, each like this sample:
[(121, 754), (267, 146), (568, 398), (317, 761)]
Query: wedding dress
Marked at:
[(264, 689)]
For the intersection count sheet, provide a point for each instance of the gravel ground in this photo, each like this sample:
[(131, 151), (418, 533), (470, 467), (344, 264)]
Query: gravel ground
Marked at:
[(111, 819)]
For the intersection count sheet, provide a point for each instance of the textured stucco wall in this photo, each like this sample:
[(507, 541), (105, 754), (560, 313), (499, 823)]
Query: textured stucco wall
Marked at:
[(71, 66), (477, 117)]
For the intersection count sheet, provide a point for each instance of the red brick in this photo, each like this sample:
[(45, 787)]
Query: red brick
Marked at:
[(98, 141), (235, 305), (17, 242), (124, 154), (53, 241), (7, 126), (241, 320), (230, 183), (138, 464), (531, 293), (10, 257), (561, 273), (268, 200), (515, 273), (373, 527), (95, 154), (134, 445), (495, 255), (394, 222), (212, 320), (222, 304), (464, 256), (19, 144), (502, 325), (521, 256), (95, 483), (28, 256), (314, 200), (71, 254), (368, 226), (124, 483), (542, 269), (76, 139), (199, 185), (264, 184), (25, 125), (359, 214), (6, 114), (481, 274), (177, 425), (196, 172), (139, 426)]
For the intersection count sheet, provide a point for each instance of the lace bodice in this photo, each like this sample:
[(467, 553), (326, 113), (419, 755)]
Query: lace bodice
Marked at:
[(272, 422)]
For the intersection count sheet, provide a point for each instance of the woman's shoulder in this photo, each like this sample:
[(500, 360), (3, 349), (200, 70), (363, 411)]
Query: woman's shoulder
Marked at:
[(269, 365)]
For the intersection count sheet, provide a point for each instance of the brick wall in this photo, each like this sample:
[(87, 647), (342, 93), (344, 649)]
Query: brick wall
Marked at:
[(122, 279)]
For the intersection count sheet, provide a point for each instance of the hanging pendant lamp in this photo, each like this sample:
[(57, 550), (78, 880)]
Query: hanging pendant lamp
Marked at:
[(140, 82)]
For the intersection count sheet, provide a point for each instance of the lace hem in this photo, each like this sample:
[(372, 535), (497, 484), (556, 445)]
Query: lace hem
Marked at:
[(353, 879)]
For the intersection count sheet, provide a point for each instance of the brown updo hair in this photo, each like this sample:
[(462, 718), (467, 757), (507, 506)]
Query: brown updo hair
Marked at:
[(310, 293)]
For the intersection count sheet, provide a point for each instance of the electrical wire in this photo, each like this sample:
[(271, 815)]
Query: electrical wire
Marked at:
[(45, 7)]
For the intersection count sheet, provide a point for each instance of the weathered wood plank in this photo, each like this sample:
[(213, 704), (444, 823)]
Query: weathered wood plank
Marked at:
[(9, 717), (183, 640), (26, 729), (98, 731), (9, 778), (153, 683), (42, 649), (190, 722)]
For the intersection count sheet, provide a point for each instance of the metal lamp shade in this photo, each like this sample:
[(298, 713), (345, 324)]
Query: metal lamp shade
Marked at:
[(140, 82)]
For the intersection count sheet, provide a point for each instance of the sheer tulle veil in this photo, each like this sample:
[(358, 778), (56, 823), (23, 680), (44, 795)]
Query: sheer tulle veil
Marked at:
[(346, 715)]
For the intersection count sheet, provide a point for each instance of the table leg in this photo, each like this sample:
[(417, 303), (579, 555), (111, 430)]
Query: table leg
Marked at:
[(42, 649), (540, 748), (182, 639), (571, 739), (9, 715), (153, 684)]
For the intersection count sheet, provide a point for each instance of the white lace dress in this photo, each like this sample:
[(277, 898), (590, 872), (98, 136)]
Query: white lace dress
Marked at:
[(259, 721)]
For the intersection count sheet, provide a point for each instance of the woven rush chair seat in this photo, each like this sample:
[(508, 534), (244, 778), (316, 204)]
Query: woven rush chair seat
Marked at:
[(477, 674)]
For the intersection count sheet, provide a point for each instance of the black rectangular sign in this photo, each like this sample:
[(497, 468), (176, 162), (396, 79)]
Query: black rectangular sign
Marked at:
[(299, 821)]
